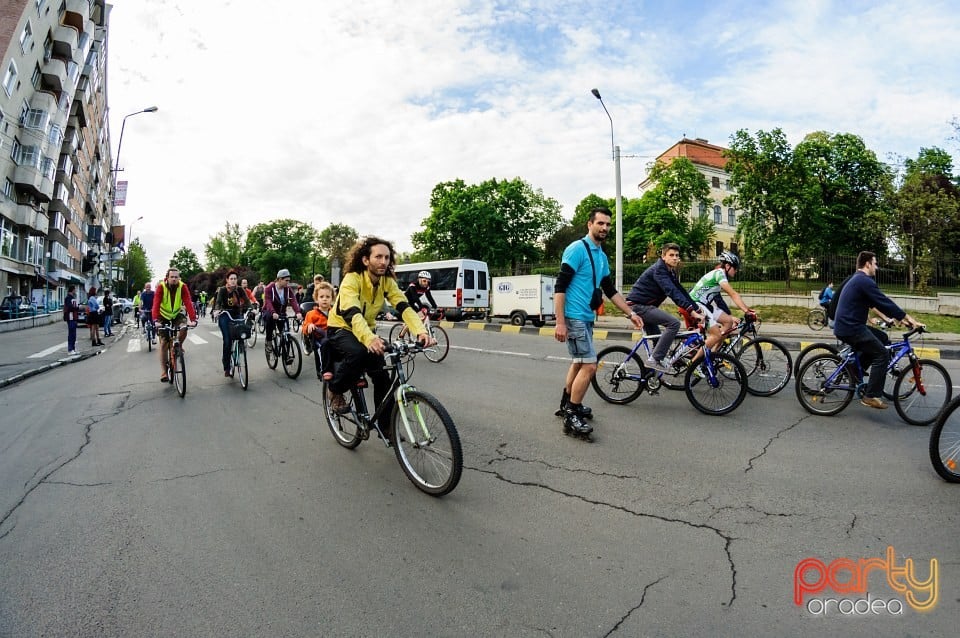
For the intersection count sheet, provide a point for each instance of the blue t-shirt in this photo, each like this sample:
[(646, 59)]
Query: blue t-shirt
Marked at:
[(577, 302)]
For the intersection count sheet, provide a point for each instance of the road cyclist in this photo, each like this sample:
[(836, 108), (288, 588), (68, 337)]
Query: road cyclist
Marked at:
[(230, 306), (171, 300), (707, 292), (146, 315), (277, 297)]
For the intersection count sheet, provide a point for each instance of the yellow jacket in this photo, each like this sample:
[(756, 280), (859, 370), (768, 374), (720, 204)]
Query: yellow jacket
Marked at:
[(359, 301)]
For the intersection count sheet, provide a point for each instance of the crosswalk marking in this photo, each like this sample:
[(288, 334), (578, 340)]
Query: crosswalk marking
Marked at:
[(133, 345), (197, 339), (49, 351)]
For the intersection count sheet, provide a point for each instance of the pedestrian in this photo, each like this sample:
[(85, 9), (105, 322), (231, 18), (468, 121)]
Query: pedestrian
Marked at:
[(71, 314), (578, 293), (107, 304), (94, 317)]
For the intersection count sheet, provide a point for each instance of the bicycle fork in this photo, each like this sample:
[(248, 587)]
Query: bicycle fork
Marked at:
[(402, 403)]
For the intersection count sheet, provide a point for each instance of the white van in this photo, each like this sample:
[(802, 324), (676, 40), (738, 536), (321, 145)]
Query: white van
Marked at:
[(460, 286), (523, 297)]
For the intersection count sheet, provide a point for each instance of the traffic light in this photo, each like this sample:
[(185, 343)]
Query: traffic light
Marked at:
[(88, 261)]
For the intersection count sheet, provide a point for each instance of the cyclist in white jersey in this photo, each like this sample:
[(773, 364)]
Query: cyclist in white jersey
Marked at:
[(707, 294)]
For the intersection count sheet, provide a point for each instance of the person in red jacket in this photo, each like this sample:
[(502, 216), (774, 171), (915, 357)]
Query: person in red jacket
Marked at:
[(276, 297), (170, 302)]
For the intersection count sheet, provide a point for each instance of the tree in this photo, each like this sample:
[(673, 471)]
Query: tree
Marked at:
[(136, 268), (225, 249), (282, 243), (336, 240), (769, 190), (573, 230), (185, 260), (662, 214), (499, 222)]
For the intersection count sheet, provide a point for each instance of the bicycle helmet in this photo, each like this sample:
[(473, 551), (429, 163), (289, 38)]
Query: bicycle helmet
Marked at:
[(424, 274), (283, 272), (727, 257)]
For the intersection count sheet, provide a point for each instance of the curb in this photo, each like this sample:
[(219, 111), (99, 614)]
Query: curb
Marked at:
[(26, 374)]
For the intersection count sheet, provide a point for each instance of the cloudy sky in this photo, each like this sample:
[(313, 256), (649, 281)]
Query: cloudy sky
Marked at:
[(351, 113)]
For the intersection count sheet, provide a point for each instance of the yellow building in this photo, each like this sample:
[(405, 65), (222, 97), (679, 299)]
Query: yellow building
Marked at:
[(709, 160)]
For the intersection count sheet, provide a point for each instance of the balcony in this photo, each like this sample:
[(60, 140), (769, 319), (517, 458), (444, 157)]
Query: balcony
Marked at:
[(44, 101), (65, 41), (54, 74), (26, 215), (30, 180), (78, 12)]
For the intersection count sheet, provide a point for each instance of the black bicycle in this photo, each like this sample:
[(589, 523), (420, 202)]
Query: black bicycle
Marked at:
[(421, 432), (240, 330), (286, 348), (767, 361), (149, 333)]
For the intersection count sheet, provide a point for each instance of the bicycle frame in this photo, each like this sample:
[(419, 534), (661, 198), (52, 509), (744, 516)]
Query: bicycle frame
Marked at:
[(691, 340), (398, 387), (849, 357)]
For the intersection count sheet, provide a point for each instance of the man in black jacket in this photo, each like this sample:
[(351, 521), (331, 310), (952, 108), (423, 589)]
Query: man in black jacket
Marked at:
[(658, 282)]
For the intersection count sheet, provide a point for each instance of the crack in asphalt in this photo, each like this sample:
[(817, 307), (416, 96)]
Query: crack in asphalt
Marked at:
[(88, 422), (183, 476), (620, 508), (630, 611), (774, 438), (78, 484), (508, 457), (853, 524)]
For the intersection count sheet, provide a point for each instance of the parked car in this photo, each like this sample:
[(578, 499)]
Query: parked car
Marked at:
[(13, 306), (126, 304)]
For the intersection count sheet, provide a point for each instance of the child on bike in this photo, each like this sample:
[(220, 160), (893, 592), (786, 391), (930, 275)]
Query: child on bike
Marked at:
[(315, 330)]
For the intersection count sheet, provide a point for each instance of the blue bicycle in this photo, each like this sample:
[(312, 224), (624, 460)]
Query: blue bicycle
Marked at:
[(715, 383)]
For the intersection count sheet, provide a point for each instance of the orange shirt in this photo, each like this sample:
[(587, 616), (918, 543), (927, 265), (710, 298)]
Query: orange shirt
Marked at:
[(315, 317)]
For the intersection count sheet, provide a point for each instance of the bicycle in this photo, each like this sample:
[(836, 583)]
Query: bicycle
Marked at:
[(716, 384), (435, 353), (150, 333), (945, 443), (239, 331), (421, 432), (767, 361), (286, 348), (817, 319), (827, 383), (176, 369), (253, 331)]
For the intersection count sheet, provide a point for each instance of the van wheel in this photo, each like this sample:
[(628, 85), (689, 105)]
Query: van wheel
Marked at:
[(518, 318)]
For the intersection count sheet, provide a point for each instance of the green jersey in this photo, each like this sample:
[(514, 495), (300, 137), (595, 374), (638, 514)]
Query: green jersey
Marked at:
[(707, 290)]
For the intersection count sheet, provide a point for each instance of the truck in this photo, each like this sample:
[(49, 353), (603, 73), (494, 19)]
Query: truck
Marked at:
[(523, 297)]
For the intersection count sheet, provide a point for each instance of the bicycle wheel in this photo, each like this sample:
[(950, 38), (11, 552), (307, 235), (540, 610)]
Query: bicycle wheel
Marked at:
[(180, 373), (252, 339), (272, 354), (921, 392), (395, 331), (426, 443), (817, 319), (725, 393), (817, 393), (618, 375), (149, 340), (240, 364), (438, 352), (261, 325), (292, 357), (343, 427), (813, 348), (945, 443), (768, 366)]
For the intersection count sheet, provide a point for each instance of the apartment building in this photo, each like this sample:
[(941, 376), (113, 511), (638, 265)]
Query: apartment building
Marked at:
[(56, 206), (709, 160)]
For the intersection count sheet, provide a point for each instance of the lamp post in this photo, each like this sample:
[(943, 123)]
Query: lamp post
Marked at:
[(46, 283), (116, 171), (619, 219)]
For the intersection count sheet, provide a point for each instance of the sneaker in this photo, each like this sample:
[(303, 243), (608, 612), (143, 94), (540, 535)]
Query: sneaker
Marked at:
[(306, 346), (873, 402), (268, 348), (575, 424), (657, 365), (164, 379), (71, 352), (227, 373), (337, 403)]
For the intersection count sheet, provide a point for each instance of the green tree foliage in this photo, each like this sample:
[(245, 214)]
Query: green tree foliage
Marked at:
[(136, 268), (225, 249), (499, 222), (184, 260), (282, 243), (336, 240), (662, 214), (928, 215), (575, 229), (846, 196)]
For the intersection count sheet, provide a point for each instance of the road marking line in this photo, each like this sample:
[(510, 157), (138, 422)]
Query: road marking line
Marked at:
[(133, 345), (48, 351), (196, 339), (507, 352)]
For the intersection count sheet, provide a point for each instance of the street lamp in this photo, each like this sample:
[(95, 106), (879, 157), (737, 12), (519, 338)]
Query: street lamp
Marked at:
[(116, 171), (618, 221), (46, 283)]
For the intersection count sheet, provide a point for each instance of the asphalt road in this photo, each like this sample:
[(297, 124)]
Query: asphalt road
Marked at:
[(126, 511)]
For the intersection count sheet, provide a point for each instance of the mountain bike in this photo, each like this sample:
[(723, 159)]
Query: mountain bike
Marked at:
[(767, 361), (714, 384), (827, 383), (286, 348), (176, 367), (421, 432), (435, 353), (945, 443), (239, 332), (817, 319)]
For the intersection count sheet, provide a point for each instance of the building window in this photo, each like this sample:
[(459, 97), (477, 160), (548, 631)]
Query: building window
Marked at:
[(726, 185), (703, 210), (8, 189), (733, 247), (719, 248), (36, 118), (731, 217), (715, 181), (15, 150), (36, 77), (26, 38), (716, 215), (10, 78)]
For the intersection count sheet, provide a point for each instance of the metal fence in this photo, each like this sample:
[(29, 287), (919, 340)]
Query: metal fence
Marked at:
[(812, 273)]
